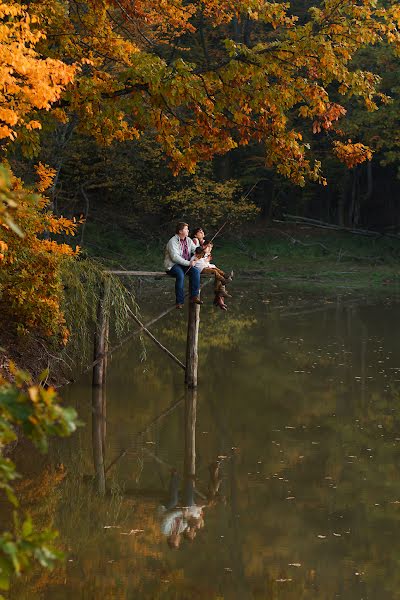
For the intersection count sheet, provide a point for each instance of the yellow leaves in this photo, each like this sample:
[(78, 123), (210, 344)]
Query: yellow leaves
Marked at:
[(331, 112), (3, 249), (27, 81), (33, 125), (352, 154), (30, 265), (33, 393), (46, 175)]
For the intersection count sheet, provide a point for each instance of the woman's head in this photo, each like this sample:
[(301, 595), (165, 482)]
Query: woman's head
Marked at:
[(198, 233), (174, 541)]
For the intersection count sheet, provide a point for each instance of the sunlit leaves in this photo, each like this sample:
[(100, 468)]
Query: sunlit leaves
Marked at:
[(352, 154), (30, 282), (28, 82)]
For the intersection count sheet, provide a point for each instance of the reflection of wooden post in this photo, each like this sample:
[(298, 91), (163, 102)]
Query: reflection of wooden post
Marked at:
[(104, 384), (189, 466), (97, 440), (192, 345), (98, 389)]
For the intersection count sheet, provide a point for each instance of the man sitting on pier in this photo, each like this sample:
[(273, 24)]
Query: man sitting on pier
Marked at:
[(178, 263)]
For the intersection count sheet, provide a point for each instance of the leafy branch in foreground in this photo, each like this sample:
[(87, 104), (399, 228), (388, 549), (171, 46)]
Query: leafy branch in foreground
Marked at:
[(34, 410)]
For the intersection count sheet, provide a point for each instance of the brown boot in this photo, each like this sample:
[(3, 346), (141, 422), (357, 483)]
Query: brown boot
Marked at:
[(222, 292), (196, 300)]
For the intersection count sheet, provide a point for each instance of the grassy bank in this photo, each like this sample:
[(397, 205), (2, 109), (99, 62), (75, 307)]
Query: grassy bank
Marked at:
[(288, 257), (294, 256)]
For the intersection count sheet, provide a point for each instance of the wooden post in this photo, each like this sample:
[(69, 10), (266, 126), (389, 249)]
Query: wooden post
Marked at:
[(98, 393), (192, 358)]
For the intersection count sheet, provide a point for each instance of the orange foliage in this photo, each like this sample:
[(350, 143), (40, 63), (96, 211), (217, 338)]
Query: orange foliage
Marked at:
[(30, 282), (352, 154), (28, 82)]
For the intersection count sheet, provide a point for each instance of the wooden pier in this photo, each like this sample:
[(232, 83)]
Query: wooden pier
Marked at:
[(99, 372)]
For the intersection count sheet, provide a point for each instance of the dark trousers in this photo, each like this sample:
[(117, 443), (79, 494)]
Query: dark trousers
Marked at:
[(179, 272), (173, 491)]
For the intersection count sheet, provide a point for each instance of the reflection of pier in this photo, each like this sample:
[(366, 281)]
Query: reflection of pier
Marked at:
[(99, 431), (101, 352)]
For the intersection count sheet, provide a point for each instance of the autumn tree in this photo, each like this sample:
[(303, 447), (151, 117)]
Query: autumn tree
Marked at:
[(209, 77)]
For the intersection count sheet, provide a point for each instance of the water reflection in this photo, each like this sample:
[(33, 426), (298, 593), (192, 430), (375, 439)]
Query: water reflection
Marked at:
[(181, 515), (99, 403), (292, 449)]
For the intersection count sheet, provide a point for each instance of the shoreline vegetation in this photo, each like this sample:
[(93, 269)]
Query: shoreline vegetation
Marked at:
[(288, 257), (285, 254)]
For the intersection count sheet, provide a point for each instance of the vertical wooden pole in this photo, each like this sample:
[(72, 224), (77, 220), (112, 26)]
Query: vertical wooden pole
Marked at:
[(98, 394), (189, 466), (192, 358)]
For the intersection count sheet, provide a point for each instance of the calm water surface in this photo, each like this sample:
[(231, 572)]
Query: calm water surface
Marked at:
[(298, 403)]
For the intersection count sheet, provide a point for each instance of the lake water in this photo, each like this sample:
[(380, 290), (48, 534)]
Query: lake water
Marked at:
[(298, 404)]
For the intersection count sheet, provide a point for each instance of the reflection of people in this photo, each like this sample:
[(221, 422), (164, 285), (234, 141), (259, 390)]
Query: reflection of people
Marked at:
[(185, 520), (178, 260), (173, 521)]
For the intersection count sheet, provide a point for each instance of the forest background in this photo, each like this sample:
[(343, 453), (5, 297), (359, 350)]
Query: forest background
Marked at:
[(116, 119)]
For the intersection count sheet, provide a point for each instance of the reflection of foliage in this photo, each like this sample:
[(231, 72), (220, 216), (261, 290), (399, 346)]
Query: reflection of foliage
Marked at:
[(216, 331), (35, 411), (116, 548)]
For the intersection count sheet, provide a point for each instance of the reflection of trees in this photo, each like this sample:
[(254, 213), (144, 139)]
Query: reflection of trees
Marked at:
[(297, 435)]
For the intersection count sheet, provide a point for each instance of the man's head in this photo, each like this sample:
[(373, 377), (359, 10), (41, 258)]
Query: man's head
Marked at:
[(182, 229)]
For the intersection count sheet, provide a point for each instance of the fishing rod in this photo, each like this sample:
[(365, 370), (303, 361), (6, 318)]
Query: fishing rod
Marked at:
[(227, 221), (243, 198)]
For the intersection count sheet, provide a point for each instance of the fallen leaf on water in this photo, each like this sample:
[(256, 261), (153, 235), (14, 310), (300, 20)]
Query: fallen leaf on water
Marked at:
[(321, 536), (281, 580), (294, 564), (291, 498), (338, 534), (112, 527), (228, 570), (132, 531)]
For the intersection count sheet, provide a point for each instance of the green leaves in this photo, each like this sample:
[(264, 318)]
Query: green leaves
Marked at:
[(37, 412)]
